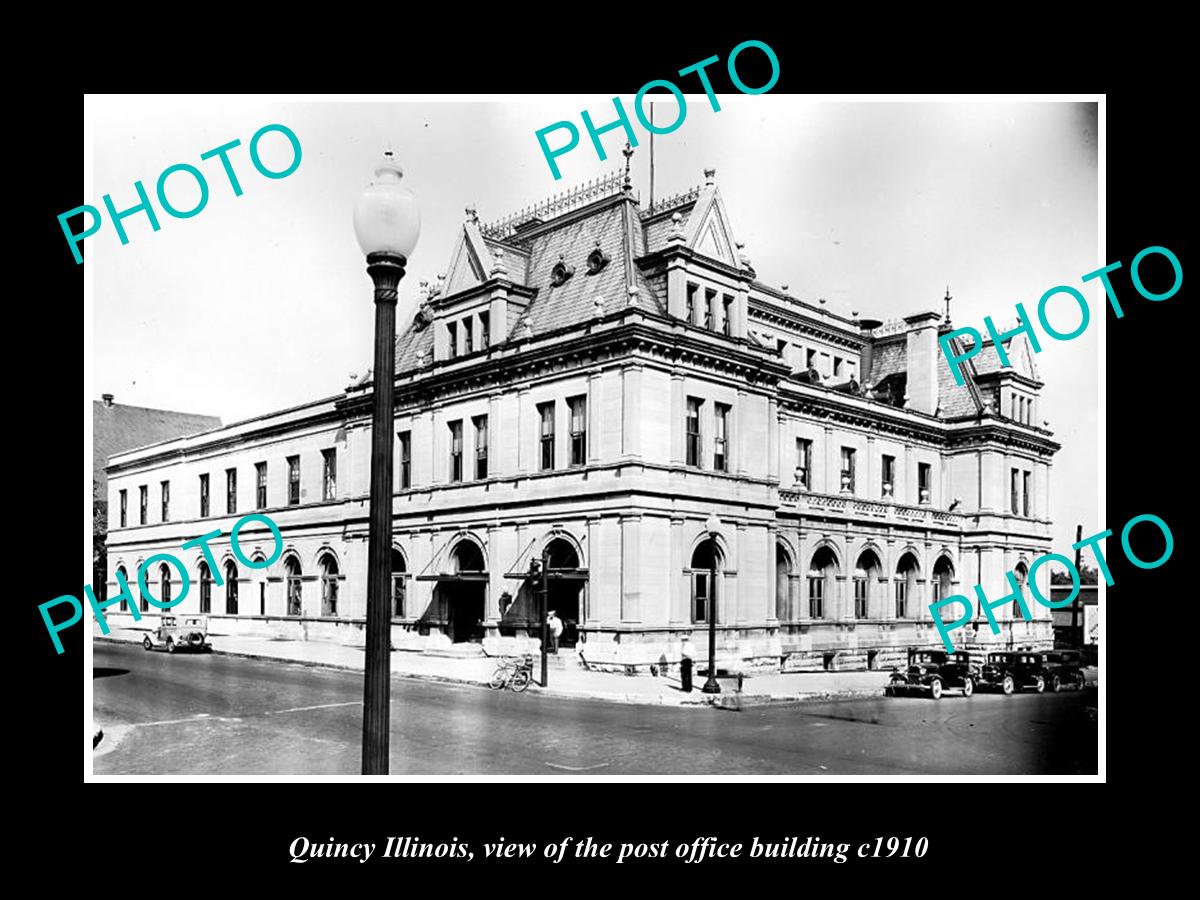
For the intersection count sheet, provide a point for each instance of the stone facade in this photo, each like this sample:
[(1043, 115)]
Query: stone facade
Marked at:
[(590, 385)]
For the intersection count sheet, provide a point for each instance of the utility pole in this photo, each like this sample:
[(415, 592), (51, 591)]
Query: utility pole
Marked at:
[(1077, 636), (545, 591)]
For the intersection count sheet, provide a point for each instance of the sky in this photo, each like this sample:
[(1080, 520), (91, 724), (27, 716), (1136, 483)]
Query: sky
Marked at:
[(262, 301)]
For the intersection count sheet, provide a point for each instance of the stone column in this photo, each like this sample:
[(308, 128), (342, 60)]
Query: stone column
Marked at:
[(631, 411), (680, 593), (833, 475), (631, 568), (594, 423), (678, 424)]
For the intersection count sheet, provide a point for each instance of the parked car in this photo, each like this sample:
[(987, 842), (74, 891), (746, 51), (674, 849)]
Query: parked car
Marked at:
[(1013, 671), (173, 633), (934, 671), (1064, 668)]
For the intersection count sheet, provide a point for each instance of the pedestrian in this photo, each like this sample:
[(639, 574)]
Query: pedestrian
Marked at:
[(687, 653), (556, 630)]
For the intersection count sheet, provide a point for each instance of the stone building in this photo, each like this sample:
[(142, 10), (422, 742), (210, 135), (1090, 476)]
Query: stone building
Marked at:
[(589, 383)]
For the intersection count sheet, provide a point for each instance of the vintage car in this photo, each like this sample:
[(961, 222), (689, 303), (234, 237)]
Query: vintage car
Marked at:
[(175, 633), (934, 671), (1013, 671), (1064, 668)]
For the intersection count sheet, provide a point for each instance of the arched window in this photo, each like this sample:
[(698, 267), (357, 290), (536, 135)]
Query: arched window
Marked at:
[(231, 588), (142, 601), (943, 579), (329, 585), (907, 572), (164, 580), (705, 561), (866, 571), (206, 582), (561, 555), (822, 579), (398, 583), (783, 583), (124, 579), (292, 570), (1022, 574), (467, 557)]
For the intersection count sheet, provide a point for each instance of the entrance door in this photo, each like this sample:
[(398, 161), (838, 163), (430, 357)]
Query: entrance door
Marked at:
[(464, 612), (563, 595)]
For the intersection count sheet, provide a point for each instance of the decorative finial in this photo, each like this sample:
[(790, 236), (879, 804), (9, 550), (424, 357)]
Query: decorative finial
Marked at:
[(948, 299), (498, 267), (676, 228), (628, 153), (472, 214), (783, 287), (854, 313), (821, 300), (423, 289), (633, 295), (709, 176), (527, 331)]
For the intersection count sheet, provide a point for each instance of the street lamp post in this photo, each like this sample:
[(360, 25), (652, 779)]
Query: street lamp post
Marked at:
[(710, 685), (387, 225)]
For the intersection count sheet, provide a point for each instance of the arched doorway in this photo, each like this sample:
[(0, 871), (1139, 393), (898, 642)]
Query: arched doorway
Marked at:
[(706, 559), (822, 584), (907, 573), (164, 579), (1021, 573), (461, 596), (123, 579), (783, 584), (866, 574), (943, 587), (565, 580)]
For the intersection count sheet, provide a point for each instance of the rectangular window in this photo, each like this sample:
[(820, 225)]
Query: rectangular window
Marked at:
[(456, 450), (1012, 413), (143, 502), (485, 340), (231, 491), (452, 332), (1026, 484), (578, 406), (260, 485), (124, 509), (204, 505), (812, 360), (710, 301), (700, 597), (837, 367), (693, 431), (924, 482), (1015, 492), (165, 488), (293, 463), (726, 323), (848, 469), (691, 304), (902, 598), (816, 597), (889, 475), (546, 440), (468, 337), (481, 446), (804, 463), (860, 598), (329, 474), (398, 595), (721, 437), (405, 440)]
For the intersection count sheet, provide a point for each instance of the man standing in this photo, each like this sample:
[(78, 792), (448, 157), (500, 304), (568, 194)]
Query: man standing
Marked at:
[(556, 630), (687, 652)]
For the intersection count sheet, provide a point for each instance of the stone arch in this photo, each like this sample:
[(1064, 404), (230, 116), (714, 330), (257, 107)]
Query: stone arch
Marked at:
[(323, 551), (124, 570), (400, 575), (868, 566), (293, 583), (707, 555), (330, 574), (230, 571), (824, 568), (458, 545), (700, 535), (907, 580), (562, 534), (942, 577), (1021, 574), (143, 603), (785, 577)]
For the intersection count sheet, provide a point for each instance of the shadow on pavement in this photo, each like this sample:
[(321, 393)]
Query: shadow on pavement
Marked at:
[(106, 672)]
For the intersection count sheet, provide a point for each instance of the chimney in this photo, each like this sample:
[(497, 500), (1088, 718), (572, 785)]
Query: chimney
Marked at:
[(922, 361), (107, 398)]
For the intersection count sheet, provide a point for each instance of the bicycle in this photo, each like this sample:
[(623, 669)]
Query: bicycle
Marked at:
[(513, 673)]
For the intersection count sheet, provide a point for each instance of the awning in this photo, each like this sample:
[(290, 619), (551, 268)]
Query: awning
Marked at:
[(553, 574), (455, 576)]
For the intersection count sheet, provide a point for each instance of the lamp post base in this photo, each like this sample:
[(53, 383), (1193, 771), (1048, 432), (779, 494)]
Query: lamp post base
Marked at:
[(711, 686)]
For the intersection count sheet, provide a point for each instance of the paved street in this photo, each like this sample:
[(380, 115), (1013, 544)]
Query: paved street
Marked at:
[(209, 714)]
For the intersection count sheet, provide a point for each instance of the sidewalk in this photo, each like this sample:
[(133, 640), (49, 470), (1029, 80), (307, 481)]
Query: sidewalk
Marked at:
[(614, 688)]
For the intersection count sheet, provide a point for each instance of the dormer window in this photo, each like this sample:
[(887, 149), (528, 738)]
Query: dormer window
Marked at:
[(560, 273), (597, 260)]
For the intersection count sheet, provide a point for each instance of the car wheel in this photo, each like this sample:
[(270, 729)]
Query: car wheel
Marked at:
[(935, 689), (968, 687), (1079, 681), (1008, 684), (170, 645), (147, 644), (1055, 684), (1040, 684)]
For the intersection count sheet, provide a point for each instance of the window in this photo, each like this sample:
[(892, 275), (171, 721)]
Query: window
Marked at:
[(705, 560), (721, 437), (398, 575), (231, 588), (578, 406), (164, 580), (546, 416), (456, 450), (1015, 491), (123, 581), (293, 463), (165, 490), (468, 337), (924, 479), (1026, 484), (860, 594), (143, 502), (484, 337), (260, 489), (848, 469), (231, 491), (204, 505), (804, 463), (901, 598), (124, 508), (816, 596), (405, 440), (1012, 413), (726, 324), (206, 583), (452, 332), (142, 601), (1022, 575), (812, 359), (889, 475), (294, 583), (329, 474), (837, 367), (693, 431), (481, 446), (691, 304), (329, 586), (710, 301)]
